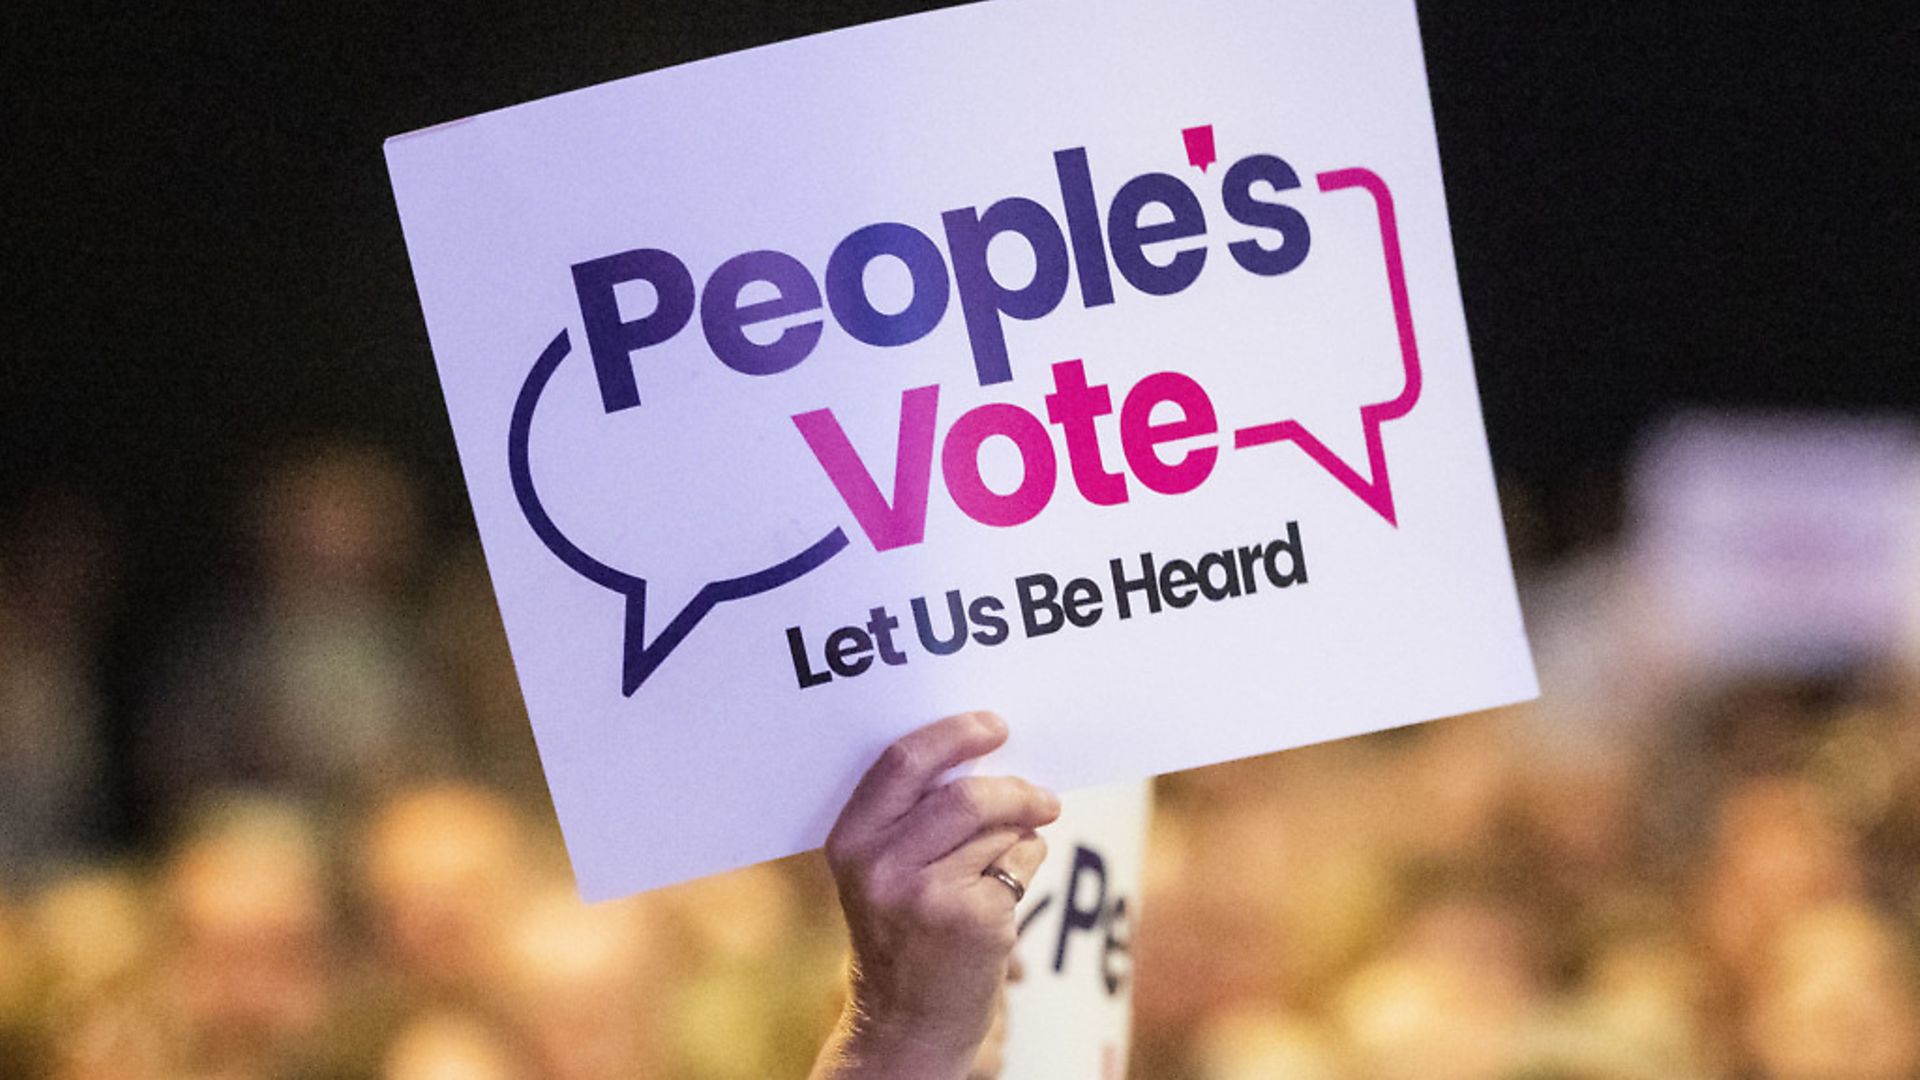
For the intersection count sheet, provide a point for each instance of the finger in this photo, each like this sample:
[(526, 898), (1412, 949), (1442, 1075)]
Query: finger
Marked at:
[(956, 811), (1019, 862), (912, 764), (1017, 851), (1023, 859)]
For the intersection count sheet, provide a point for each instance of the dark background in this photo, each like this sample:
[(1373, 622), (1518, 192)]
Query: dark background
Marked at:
[(1688, 204)]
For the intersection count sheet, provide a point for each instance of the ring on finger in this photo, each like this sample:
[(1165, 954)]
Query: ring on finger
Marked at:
[(1012, 883)]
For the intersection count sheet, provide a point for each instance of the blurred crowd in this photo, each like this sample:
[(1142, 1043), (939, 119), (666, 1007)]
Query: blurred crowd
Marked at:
[(345, 865)]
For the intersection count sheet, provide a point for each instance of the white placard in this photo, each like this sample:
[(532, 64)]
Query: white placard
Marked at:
[(1070, 1013), (1778, 542), (1126, 333)]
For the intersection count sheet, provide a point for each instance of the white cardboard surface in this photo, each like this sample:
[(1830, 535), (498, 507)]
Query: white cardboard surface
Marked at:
[(1346, 377), (1070, 1015), (1779, 542)]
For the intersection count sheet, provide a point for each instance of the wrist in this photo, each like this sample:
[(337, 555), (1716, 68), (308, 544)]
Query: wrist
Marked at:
[(887, 1046)]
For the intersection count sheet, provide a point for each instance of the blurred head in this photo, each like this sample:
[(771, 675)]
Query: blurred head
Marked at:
[(93, 939), (116, 1038), (1449, 1000), (18, 965), (1213, 873), (442, 870), (738, 915), (1836, 1000), (93, 931), (1644, 1008), (338, 521), (1455, 779), (248, 910), (58, 563), (1260, 1044), (1584, 809), (452, 1045), (1776, 853), (1491, 946), (579, 978)]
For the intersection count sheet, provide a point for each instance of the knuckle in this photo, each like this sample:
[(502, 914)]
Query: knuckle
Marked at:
[(837, 850), (903, 758), (1027, 798), (845, 854), (884, 892), (1038, 845), (966, 798), (1042, 803), (849, 877), (987, 722)]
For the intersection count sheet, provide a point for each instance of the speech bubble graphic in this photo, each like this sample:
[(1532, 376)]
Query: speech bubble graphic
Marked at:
[(1199, 140), (639, 657), (1376, 487)]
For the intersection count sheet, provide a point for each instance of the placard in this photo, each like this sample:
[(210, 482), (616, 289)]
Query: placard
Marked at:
[(1099, 363), (1070, 1013), (1778, 543)]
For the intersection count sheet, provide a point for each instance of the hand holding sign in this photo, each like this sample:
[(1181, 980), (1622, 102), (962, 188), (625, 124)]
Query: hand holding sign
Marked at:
[(932, 933)]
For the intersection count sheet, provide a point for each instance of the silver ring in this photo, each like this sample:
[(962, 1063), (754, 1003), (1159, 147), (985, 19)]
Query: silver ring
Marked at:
[(1004, 878)]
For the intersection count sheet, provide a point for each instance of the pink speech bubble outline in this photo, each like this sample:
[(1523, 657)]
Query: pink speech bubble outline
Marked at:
[(1375, 490)]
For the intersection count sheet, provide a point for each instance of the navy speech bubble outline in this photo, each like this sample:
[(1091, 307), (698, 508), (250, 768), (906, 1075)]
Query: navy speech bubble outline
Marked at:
[(639, 659)]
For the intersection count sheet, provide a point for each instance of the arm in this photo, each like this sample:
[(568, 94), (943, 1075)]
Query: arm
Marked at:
[(931, 933)]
